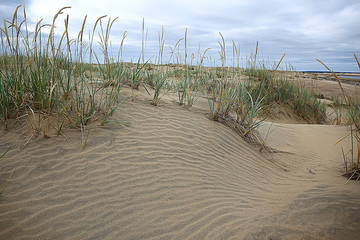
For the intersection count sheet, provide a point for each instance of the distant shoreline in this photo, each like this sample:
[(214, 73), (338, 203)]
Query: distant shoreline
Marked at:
[(341, 72)]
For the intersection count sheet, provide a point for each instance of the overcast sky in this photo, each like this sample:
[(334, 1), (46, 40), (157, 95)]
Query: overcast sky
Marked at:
[(303, 29)]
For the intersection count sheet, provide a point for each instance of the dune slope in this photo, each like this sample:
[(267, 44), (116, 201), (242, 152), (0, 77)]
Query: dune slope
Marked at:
[(171, 173)]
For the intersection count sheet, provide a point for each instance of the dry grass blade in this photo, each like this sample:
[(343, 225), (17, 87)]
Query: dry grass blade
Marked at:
[(15, 13), (277, 66), (256, 53), (339, 82), (357, 60), (80, 36), (6, 183)]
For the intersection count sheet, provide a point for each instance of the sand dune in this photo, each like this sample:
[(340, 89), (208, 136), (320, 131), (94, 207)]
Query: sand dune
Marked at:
[(171, 173)]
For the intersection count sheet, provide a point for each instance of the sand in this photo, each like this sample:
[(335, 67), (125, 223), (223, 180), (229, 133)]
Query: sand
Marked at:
[(169, 172)]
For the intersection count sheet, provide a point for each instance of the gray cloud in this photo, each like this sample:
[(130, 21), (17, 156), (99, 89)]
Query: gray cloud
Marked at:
[(303, 29), (7, 8)]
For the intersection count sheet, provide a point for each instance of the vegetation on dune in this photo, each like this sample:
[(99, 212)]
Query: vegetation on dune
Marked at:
[(56, 82), (44, 81)]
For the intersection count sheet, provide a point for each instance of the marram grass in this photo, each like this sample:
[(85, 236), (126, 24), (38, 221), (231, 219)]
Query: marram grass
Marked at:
[(58, 82), (44, 77)]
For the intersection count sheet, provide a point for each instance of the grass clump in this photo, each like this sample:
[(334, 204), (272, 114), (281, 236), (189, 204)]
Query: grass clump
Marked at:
[(250, 102), (239, 105), (48, 79)]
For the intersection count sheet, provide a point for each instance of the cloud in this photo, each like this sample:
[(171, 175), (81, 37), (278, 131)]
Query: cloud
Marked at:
[(7, 8), (304, 29)]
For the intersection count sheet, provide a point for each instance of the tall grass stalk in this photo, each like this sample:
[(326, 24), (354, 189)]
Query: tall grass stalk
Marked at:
[(160, 78), (236, 57), (220, 85), (184, 85), (353, 171)]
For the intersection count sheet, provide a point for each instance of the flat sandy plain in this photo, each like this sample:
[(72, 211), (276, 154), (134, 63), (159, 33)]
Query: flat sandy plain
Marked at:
[(169, 172)]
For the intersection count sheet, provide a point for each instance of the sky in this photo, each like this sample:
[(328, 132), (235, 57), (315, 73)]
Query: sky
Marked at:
[(305, 30)]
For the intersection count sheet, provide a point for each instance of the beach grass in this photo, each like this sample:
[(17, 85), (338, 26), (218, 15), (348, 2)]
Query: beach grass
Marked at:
[(44, 77), (59, 82)]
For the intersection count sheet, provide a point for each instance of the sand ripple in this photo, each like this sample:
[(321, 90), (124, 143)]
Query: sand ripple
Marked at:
[(168, 173)]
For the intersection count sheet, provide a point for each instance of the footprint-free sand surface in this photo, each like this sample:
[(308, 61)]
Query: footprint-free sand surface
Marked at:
[(169, 172)]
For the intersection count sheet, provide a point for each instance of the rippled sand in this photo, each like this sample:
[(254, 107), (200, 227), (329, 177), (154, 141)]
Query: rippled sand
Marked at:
[(171, 173)]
